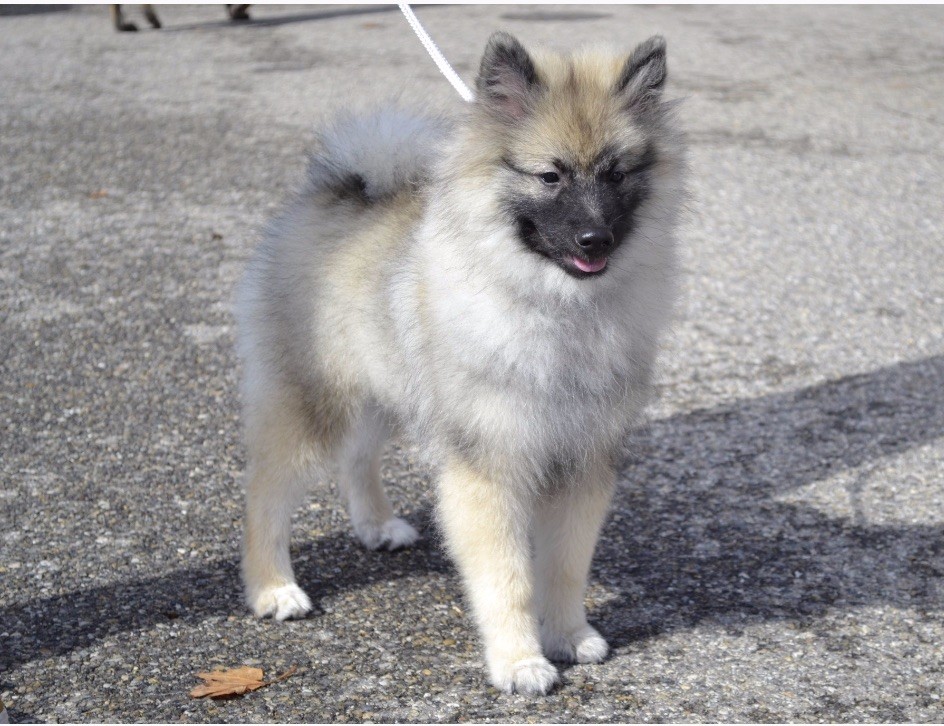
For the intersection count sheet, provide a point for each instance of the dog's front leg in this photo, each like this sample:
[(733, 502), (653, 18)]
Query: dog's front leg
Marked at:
[(487, 532), (566, 528)]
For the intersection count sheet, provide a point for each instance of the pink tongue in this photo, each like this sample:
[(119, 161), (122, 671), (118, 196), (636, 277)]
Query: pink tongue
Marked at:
[(589, 266)]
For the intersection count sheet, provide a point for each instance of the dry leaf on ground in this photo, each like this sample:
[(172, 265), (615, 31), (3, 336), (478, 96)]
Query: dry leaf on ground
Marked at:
[(227, 682)]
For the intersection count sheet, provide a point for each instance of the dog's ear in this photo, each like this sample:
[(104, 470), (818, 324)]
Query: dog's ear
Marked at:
[(643, 75), (508, 81)]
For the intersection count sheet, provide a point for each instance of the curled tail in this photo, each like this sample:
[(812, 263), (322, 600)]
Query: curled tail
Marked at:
[(375, 155)]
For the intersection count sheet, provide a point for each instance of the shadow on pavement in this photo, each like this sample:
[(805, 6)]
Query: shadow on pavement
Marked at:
[(269, 22), (51, 626), (701, 534), (32, 9), (704, 532)]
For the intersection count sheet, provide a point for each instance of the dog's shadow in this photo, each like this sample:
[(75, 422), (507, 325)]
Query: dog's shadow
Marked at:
[(712, 527), (703, 531)]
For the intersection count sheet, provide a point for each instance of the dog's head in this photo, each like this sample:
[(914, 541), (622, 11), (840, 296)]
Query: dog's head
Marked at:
[(578, 143)]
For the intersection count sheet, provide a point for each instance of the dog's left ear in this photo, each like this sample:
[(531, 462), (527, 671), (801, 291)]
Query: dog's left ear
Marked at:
[(508, 81), (644, 74)]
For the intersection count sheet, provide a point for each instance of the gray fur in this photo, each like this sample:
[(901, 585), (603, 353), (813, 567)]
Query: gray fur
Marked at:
[(375, 154)]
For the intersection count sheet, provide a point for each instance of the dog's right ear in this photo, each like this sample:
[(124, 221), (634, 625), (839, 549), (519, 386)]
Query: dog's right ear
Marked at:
[(644, 73), (507, 82)]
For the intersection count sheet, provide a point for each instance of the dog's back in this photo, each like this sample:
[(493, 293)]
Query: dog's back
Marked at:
[(311, 284)]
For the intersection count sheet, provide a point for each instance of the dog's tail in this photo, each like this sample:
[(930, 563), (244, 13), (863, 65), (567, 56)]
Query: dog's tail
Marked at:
[(374, 156)]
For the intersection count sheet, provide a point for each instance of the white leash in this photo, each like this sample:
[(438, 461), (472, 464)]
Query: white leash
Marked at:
[(434, 53)]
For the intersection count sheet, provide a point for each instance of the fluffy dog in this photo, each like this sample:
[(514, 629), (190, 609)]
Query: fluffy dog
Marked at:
[(493, 289)]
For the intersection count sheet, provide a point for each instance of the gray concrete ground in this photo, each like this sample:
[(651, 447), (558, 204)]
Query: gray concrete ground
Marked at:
[(776, 549)]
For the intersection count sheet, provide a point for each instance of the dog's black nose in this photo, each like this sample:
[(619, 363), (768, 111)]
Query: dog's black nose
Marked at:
[(595, 240)]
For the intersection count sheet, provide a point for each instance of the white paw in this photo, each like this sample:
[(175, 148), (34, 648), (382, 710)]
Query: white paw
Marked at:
[(391, 535), (528, 676), (584, 645), (281, 602)]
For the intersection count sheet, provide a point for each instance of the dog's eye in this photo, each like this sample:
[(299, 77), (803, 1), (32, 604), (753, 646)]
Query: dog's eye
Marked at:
[(550, 177), (617, 176)]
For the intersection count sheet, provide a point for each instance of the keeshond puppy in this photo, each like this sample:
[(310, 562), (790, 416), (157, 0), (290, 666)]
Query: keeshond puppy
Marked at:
[(494, 289)]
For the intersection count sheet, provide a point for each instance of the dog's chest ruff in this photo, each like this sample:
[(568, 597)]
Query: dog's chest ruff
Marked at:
[(546, 386), (497, 340)]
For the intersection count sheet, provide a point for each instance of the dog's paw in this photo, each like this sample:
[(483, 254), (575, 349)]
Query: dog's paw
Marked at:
[(584, 645), (390, 535), (528, 676), (281, 602)]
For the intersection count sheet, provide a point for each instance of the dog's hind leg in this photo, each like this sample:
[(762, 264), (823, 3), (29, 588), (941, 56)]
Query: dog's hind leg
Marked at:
[(281, 459), (152, 16), (237, 12), (118, 19), (359, 480)]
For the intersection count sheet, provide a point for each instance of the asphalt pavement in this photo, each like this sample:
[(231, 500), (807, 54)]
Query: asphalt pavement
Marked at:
[(776, 547)]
